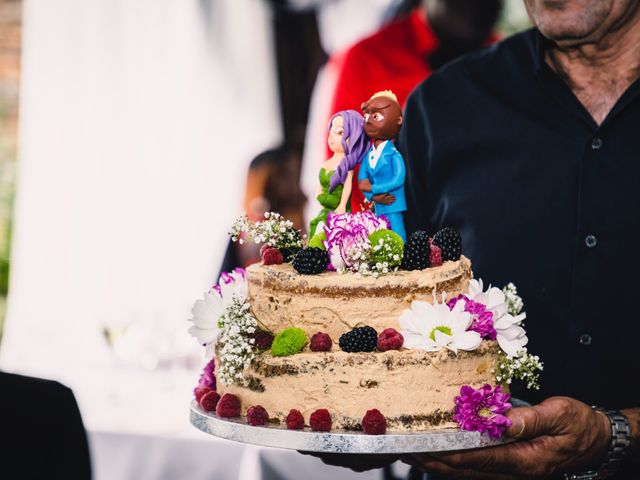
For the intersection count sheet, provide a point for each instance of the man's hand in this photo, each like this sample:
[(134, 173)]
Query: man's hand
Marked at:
[(384, 198), (365, 185), (559, 435)]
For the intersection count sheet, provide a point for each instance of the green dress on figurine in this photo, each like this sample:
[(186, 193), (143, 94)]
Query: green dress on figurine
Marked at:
[(328, 200)]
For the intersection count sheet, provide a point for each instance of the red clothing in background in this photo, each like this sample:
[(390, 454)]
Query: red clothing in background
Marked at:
[(394, 58)]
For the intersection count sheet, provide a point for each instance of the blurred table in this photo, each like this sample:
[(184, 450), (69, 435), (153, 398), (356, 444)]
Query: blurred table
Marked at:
[(197, 456)]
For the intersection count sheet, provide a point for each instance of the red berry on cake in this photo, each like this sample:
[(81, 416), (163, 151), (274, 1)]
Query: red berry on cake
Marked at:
[(263, 340), (295, 420), (257, 416), (374, 422), (264, 247), (228, 406), (320, 420), (435, 256), (199, 392), (209, 401), (390, 339), (271, 256), (320, 342)]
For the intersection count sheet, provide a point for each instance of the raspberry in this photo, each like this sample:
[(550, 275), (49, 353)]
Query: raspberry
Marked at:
[(263, 340), (310, 261), (448, 239), (209, 401), (374, 422), (271, 256), (320, 342), (435, 256), (390, 339), (257, 416), (295, 420), (263, 247), (320, 420), (199, 392), (228, 406), (360, 339), (416, 251)]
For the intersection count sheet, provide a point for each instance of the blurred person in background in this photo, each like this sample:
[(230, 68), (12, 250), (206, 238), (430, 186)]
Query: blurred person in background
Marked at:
[(423, 36), (272, 186), (41, 431)]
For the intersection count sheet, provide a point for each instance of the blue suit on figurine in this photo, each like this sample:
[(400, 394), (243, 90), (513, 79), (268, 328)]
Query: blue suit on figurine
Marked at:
[(386, 174), (382, 170)]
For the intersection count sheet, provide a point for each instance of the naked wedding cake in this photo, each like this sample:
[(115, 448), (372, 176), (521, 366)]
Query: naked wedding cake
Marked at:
[(360, 331)]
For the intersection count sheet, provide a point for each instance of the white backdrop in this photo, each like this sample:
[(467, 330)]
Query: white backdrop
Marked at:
[(138, 121)]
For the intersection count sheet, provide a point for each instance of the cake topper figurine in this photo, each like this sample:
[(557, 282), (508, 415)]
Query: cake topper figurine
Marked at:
[(348, 143), (382, 172)]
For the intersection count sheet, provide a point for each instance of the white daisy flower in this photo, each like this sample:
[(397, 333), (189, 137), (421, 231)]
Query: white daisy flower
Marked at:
[(509, 333), (432, 327), (206, 315)]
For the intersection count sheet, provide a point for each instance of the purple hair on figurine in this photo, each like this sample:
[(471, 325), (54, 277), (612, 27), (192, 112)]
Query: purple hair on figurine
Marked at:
[(355, 143)]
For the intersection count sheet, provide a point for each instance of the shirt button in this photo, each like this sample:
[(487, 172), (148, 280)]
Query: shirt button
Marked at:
[(590, 241), (585, 339), (596, 143)]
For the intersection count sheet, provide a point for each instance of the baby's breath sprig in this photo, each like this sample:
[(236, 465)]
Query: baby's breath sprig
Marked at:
[(514, 301), (274, 230), (521, 366), (237, 345)]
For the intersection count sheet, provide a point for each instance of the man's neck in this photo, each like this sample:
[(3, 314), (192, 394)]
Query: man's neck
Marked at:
[(600, 72)]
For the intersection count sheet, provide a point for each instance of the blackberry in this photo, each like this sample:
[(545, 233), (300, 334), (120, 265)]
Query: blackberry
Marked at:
[(416, 251), (360, 339), (449, 241), (310, 261)]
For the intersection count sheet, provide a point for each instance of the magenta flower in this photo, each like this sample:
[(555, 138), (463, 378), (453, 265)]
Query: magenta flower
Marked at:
[(482, 318), (348, 238), (208, 376), (482, 410)]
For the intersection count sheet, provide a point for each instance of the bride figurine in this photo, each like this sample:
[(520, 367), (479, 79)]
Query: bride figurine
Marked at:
[(349, 143)]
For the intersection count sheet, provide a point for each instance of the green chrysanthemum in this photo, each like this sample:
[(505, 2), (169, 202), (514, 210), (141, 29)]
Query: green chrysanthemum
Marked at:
[(386, 247), (317, 239), (289, 342)]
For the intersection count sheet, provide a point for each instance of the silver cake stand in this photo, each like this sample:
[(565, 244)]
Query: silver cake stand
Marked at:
[(338, 441)]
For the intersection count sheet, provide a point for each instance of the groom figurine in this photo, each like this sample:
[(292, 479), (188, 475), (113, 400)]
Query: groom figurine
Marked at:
[(382, 171)]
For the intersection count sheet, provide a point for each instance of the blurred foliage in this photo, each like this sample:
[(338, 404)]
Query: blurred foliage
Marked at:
[(514, 17)]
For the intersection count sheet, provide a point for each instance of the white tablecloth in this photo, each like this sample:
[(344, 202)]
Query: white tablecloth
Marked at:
[(197, 456)]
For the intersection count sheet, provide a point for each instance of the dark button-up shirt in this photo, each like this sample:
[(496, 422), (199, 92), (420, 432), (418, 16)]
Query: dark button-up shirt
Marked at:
[(499, 147)]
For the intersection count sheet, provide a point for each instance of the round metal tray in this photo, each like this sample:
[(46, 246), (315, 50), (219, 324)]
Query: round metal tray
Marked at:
[(338, 441)]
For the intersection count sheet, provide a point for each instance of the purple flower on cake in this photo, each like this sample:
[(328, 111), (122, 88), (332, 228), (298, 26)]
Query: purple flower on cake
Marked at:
[(432, 327), (348, 238), (509, 333), (233, 286), (208, 312), (208, 376), (482, 410), (482, 319)]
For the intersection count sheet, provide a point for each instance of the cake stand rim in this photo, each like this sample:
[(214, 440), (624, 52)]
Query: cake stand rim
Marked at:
[(337, 441)]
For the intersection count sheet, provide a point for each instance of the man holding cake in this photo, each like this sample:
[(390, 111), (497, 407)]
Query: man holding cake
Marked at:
[(530, 148)]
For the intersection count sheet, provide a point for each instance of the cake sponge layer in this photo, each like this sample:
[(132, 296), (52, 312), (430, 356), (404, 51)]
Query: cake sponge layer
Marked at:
[(332, 303), (413, 389)]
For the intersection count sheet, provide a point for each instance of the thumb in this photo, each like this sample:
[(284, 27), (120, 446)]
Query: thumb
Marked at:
[(527, 422)]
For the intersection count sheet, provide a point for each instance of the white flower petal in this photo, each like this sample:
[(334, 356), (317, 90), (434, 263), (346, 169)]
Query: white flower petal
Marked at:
[(467, 341), (511, 346)]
